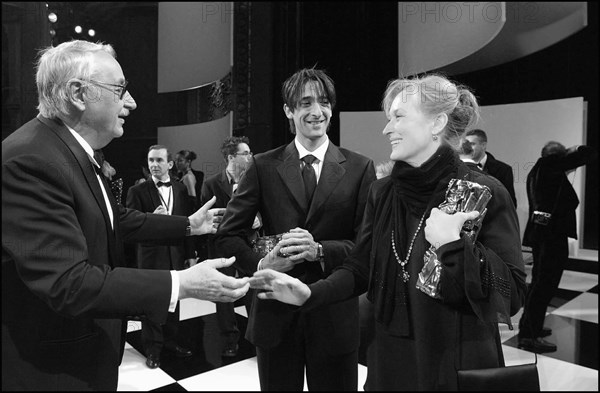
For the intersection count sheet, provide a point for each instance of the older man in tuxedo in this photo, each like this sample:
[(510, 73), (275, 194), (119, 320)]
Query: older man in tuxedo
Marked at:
[(66, 295)]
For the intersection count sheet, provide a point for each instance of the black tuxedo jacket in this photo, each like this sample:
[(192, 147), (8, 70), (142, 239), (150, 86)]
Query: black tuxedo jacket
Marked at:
[(272, 185), (66, 296), (502, 172), (549, 190), (145, 198)]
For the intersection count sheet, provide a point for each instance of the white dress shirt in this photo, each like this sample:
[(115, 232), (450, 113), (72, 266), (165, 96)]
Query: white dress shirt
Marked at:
[(166, 194)]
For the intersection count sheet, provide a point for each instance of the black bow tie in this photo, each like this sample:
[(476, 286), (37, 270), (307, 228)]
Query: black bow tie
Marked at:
[(166, 184)]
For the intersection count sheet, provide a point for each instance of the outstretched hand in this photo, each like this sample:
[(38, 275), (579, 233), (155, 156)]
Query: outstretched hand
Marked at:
[(203, 281), (280, 286), (206, 220)]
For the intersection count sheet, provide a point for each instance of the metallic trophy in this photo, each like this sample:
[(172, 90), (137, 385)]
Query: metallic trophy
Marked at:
[(264, 244), (461, 196)]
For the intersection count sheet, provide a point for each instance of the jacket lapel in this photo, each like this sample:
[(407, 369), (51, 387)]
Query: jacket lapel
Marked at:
[(290, 174), (83, 162), (224, 184), (175, 196), (153, 194), (332, 172)]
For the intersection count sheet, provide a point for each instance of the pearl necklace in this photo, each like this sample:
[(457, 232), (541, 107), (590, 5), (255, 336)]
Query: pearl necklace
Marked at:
[(405, 275)]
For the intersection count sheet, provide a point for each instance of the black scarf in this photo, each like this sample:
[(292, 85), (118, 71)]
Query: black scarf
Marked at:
[(412, 192)]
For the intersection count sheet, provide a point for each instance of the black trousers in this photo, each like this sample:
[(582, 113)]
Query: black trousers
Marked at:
[(550, 256), (282, 367), (226, 318), (156, 336)]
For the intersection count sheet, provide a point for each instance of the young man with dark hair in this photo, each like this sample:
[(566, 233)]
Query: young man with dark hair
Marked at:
[(314, 194)]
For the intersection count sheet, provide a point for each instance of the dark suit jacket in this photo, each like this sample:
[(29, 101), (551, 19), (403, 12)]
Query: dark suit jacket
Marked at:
[(215, 185), (272, 185), (65, 296), (549, 190), (502, 172), (145, 198)]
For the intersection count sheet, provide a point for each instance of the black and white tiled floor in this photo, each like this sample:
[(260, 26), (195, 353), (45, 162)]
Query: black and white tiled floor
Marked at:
[(572, 316)]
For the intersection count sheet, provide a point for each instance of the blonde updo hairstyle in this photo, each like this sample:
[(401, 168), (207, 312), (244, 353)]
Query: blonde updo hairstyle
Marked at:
[(439, 95)]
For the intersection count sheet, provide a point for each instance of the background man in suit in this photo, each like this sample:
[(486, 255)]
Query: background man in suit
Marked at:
[(489, 164), (549, 191), (162, 196), (319, 213), (236, 153), (66, 296)]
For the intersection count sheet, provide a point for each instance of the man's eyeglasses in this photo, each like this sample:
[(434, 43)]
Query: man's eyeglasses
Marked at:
[(246, 153), (120, 93)]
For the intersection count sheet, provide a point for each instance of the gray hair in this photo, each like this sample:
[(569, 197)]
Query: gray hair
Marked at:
[(439, 95), (59, 65)]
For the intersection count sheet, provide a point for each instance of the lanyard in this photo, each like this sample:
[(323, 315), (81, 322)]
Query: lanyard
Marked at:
[(168, 202)]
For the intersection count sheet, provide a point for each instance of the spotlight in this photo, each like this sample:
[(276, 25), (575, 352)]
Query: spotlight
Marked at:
[(52, 17), (91, 32), (78, 29), (52, 32)]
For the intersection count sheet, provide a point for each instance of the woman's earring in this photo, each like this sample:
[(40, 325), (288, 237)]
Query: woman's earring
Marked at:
[(434, 137)]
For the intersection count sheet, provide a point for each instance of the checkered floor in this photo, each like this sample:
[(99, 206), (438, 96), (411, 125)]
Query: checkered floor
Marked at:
[(572, 316)]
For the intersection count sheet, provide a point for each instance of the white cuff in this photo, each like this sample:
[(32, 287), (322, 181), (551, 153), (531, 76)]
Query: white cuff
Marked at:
[(174, 290)]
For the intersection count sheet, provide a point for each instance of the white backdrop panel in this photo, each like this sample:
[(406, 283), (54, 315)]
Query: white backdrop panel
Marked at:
[(202, 138), (194, 43)]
